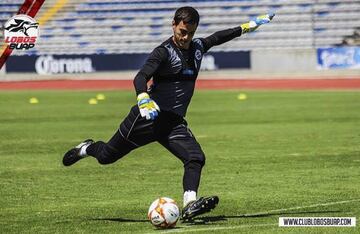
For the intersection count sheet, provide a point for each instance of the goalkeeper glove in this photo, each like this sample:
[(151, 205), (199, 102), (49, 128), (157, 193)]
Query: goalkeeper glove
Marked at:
[(252, 25), (148, 108)]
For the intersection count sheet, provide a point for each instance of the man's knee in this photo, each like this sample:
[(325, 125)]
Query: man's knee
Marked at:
[(201, 159), (109, 155), (106, 160), (116, 148), (197, 159)]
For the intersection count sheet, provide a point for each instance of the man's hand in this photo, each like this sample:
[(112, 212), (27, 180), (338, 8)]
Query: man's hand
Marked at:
[(252, 25), (148, 108)]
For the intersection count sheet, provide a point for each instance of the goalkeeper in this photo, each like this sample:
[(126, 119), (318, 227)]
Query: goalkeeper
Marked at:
[(159, 114)]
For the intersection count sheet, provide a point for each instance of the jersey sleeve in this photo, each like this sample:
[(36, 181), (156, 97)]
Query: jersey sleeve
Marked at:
[(154, 61), (221, 37)]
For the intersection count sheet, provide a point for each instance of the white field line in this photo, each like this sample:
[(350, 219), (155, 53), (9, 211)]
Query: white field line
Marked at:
[(190, 229), (303, 207)]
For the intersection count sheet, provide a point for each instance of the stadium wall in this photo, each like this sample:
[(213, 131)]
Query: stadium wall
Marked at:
[(296, 60), (83, 63), (2, 71), (327, 63)]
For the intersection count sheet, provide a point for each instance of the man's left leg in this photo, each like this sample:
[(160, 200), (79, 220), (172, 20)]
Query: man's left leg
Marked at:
[(184, 146)]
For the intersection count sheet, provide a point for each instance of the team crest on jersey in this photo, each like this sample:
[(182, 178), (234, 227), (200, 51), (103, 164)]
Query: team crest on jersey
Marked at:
[(198, 54)]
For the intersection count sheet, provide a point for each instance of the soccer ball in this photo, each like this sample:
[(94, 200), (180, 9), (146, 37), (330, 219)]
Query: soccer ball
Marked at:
[(164, 213)]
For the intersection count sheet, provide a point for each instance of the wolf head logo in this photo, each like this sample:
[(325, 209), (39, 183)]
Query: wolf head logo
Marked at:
[(21, 26)]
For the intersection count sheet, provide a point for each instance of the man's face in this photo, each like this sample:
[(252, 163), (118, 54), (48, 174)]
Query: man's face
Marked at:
[(183, 34)]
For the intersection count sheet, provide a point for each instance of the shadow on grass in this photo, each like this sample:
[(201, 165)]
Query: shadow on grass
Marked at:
[(123, 220), (219, 218)]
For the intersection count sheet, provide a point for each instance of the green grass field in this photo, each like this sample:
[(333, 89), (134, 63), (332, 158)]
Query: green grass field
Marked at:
[(276, 154)]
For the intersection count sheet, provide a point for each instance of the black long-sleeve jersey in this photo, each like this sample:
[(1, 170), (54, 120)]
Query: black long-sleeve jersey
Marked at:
[(174, 70)]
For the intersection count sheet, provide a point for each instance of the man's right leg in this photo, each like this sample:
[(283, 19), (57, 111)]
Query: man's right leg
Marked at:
[(134, 132), (105, 153), (109, 152)]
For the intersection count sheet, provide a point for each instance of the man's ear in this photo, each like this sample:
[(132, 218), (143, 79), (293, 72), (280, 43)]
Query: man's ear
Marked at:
[(173, 24)]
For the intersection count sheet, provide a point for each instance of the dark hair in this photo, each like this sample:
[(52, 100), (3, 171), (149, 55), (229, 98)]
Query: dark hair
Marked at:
[(186, 14)]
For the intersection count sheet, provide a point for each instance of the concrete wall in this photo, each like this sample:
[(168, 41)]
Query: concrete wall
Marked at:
[(2, 71), (296, 60)]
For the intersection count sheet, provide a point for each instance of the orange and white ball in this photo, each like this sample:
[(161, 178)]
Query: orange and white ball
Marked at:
[(164, 213)]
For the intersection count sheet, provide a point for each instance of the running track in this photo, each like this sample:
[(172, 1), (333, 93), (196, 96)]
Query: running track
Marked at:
[(292, 84)]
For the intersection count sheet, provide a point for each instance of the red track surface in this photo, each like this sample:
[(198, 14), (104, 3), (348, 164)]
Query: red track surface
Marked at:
[(345, 83)]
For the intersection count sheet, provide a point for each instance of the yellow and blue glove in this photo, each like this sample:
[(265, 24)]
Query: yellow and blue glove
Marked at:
[(148, 108), (252, 25)]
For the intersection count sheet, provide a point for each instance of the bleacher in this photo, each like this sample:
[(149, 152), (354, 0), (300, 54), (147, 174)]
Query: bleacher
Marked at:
[(112, 26)]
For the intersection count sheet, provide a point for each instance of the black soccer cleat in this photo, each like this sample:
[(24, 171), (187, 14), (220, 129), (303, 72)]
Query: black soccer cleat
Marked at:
[(200, 206), (72, 156)]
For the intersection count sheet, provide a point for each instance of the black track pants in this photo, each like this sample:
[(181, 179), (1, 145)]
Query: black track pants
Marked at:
[(168, 129)]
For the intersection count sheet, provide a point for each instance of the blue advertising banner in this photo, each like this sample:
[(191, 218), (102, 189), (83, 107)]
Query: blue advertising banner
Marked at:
[(72, 64), (338, 57)]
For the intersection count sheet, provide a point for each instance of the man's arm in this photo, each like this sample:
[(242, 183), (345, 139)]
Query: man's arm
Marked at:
[(158, 56), (148, 108), (223, 36)]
